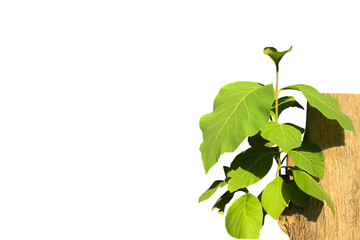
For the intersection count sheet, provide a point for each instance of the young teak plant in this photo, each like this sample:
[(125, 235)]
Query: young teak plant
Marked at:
[(251, 110)]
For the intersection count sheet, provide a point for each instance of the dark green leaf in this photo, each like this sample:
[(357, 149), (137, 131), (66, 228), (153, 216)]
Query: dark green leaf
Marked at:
[(226, 171), (241, 109), (244, 217), (310, 158), (327, 105), (222, 201), (250, 167), (308, 185), (264, 212), (258, 140), (298, 197), (284, 135), (275, 197), (284, 103)]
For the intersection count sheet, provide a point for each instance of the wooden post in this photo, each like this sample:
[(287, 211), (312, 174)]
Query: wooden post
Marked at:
[(341, 181)]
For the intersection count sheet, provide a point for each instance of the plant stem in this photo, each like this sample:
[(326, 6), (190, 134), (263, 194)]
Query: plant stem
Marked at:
[(277, 95), (279, 163), (277, 116)]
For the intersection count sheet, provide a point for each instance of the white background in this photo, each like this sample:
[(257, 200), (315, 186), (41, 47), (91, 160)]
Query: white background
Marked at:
[(100, 103)]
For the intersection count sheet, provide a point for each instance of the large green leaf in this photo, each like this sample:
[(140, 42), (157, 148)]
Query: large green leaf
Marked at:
[(308, 185), (275, 197), (222, 201), (241, 109), (250, 167), (285, 136), (298, 197), (327, 105), (275, 55), (284, 103), (310, 158), (244, 217)]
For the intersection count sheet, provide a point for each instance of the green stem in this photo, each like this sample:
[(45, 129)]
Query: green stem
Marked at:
[(279, 163), (277, 95), (277, 116)]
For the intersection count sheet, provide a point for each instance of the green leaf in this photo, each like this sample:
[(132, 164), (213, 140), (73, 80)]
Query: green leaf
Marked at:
[(258, 140), (284, 103), (241, 109), (327, 105), (250, 167), (302, 130), (212, 189), (308, 185), (310, 158), (275, 197), (284, 135), (222, 201), (298, 197), (244, 217), (275, 55)]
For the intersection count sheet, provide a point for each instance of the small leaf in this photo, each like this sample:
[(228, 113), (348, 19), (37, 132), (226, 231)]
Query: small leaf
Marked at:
[(241, 109), (310, 158), (250, 167), (275, 55), (284, 103), (222, 201), (327, 105), (298, 197), (244, 217), (283, 135), (275, 197), (308, 185), (212, 189)]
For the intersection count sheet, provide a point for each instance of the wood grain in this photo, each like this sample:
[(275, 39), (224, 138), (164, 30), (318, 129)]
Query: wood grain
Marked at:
[(342, 179)]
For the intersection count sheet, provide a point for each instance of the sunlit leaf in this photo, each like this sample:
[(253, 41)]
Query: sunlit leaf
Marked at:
[(310, 158), (284, 135), (250, 167), (275, 197), (212, 189), (241, 109), (308, 185), (327, 105), (302, 130), (244, 217)]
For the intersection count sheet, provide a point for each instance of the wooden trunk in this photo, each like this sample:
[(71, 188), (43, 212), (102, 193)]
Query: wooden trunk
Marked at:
[(341, 181)]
